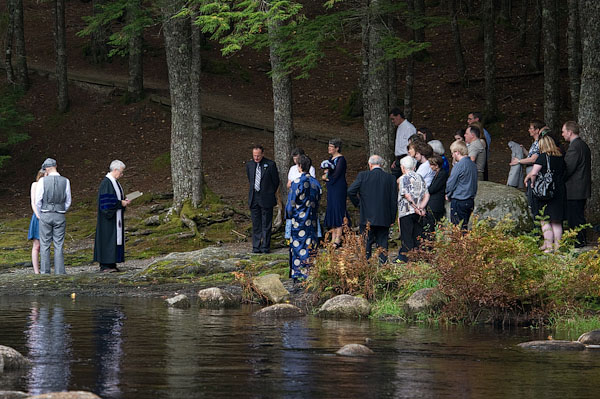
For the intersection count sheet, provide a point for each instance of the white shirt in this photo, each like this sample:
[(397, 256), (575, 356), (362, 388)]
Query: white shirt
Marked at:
[(426, 172), (294, 173), (403, 133), (39, 193)]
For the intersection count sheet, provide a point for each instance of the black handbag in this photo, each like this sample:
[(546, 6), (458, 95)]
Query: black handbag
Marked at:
[(544, 187)]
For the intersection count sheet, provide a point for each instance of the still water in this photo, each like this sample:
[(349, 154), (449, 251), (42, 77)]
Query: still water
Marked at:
[(138, 348)]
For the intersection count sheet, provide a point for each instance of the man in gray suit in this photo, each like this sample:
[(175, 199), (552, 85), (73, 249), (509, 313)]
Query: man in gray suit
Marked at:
[(52, 199), (376, 193), (578, 178)]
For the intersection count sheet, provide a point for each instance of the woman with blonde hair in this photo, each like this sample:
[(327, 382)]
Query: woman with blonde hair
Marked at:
[(553, 210), (34, 226)]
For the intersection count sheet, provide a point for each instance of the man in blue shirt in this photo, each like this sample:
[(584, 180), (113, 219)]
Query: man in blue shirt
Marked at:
[(461, 186)]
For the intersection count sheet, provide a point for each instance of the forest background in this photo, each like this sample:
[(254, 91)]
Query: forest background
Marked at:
[(95, 97)]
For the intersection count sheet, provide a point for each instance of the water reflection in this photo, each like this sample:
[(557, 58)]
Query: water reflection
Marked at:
[(49, 344), (127, 348), (108, 330)]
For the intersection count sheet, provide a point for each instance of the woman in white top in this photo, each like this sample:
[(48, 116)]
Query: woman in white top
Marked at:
[(294, 172), (34, 226)]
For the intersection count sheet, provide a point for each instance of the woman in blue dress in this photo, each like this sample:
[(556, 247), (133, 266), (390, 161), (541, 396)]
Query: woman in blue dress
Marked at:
[(34, 227), (337, 188), (302, 208)]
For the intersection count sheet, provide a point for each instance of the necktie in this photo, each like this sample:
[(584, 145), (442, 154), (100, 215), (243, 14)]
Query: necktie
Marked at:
[(257, 177)]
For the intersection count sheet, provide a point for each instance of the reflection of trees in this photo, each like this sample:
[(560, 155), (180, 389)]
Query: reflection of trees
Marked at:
[(49, 344), (182, 355), (108, 330)]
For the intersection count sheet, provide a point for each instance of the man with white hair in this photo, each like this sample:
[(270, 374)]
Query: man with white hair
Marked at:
[(109, 245), (461, 186), (52, 199), (375, 193)]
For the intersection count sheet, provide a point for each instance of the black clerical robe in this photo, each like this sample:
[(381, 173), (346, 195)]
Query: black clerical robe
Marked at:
[(106, 250)]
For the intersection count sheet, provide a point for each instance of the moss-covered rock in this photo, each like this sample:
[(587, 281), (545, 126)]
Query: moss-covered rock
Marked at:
[(496, 201)]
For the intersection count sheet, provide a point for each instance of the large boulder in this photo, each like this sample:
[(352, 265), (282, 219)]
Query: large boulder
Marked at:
[(179, 301), (345, 306), (279, 311), (271, 287), (495, 201), (201, 262), (66, 395), (553, 345), (424, 300), (590, 338), (10, 359), (354, 350), (217, 298)]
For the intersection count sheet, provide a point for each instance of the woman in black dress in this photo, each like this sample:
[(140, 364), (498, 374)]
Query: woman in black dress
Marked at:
[(336, 191), (437, 188), (553, 209)]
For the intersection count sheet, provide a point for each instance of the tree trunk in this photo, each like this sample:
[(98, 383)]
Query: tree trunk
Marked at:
[(135, 84), (283, 122), (22, 74), (60, 43), (182, 49), (574, 57), (99, 37), (409, 87), (491, 102), (419, 7), (458, 50), (506, 11), (523, 23), (537, 37), (375, 78), (551, 65), (8, 42), (589, 101), (392, 89)]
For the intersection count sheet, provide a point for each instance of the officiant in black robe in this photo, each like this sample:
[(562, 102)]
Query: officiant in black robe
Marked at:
[(109, 245)]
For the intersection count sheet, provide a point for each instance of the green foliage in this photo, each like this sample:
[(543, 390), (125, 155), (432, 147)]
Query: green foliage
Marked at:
[(493, 269), (12, 120), (240, 23), (571, 323), (396, 47), (108, 12)]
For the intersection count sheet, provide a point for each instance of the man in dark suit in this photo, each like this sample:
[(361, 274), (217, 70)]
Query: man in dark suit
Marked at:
[(376, 193), (578, 178), (264, 181)]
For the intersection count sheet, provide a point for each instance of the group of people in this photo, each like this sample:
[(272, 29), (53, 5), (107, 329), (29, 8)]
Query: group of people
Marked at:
[(303, 228), (571, 175), (414, 194), (50, 201)]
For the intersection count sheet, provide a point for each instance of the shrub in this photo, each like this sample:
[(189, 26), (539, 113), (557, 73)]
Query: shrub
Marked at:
[(490, 268), (346, 270)]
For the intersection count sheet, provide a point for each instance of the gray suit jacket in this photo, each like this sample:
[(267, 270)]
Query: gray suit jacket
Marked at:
[(578, 176)]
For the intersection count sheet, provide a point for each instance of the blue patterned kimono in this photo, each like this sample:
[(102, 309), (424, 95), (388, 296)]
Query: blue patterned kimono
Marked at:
[(302, 207)]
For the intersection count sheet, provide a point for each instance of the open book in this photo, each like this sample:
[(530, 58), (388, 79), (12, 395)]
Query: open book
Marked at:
[(133, 195)]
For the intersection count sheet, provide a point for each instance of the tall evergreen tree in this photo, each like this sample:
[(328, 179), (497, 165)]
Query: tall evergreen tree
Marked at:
[(491, 102), (182, 45), (551, 64), (22, 73), (589, 101), (375, 77), (60, 43), (574, 58)]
